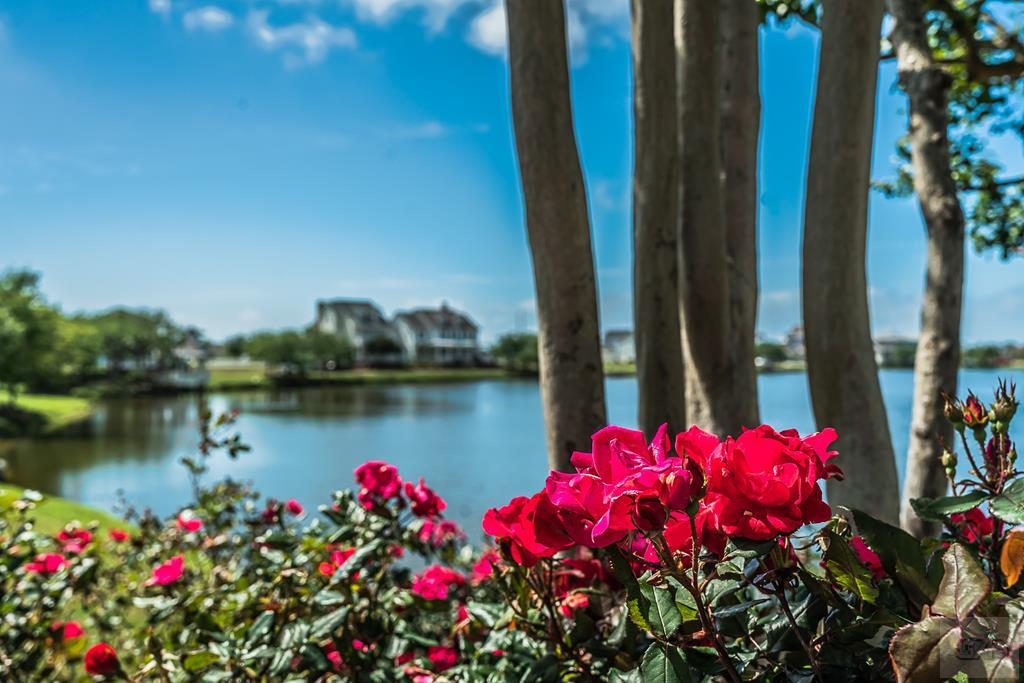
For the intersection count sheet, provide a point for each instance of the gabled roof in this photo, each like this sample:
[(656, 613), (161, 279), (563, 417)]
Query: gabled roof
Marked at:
[(425, 319), (358, 308), (617, 336)]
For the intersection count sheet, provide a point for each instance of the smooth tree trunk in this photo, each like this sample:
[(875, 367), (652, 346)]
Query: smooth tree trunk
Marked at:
[(740, 21), (659, 355), (938, 346), (717, 397), (841, 367), (571, 374)]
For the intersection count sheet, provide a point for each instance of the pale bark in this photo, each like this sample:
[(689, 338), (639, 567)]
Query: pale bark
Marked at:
[(571, 374), (661, 388), (841, 366), (938, 345), (717, 398), (741, 125)]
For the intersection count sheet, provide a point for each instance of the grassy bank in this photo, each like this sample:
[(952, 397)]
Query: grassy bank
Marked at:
[(38, 414), (228, 379), (53, 513)]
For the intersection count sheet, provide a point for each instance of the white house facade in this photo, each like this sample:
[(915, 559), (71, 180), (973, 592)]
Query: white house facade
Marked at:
[(438, 336)]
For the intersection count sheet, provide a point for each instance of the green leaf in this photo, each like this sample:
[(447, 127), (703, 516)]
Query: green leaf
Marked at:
[(937, 509), (900, 554), (1009, 505), (918, 651), (199, 661), (662, 664), (747, 549), (739, 608), (1014, 637), (685, 603), (847, 570), (999, 665), (260, 628), (963, 587), (328, 623), (658, 606), (328, 598)]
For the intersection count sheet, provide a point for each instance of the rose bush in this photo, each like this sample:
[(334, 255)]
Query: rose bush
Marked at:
[(679, 559)]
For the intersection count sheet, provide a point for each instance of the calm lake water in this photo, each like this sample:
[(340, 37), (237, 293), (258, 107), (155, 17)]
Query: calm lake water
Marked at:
[(478, 444)]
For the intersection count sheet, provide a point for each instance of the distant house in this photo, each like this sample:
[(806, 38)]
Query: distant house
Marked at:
[(619, 347), (438, 336), (795, 343), (375, 339), (895, 352)]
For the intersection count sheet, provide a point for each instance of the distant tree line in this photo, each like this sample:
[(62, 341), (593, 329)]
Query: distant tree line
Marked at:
[(43, 349), (294, 351)]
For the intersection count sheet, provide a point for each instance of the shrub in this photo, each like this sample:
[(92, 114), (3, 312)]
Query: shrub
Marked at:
[(681, 559)]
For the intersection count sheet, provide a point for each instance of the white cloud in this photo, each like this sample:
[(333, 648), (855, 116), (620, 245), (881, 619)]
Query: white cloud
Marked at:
[(488, 31), (425, 130), (209, 18), (435, 12), (161, 7), (306, 42)]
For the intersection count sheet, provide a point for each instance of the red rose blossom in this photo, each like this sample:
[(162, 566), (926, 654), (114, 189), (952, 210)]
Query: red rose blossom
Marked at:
[(294, 507), (435, 582), (119, 535), (440, 532), (378, 480), (763, 483), (442, 657), (69, 630), (867, 557), (188, 522), (572, 602), (974, 525), (528, 528), (484, 567), (74, 540), (168, 572), (101, 660), (47, 564), (425, 503)]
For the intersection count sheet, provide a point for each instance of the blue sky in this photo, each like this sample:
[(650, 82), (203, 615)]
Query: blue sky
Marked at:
[(232, 162)]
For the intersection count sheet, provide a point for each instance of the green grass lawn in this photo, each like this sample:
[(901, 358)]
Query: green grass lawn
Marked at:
[(232, 378), (55, 412), (53, 513)]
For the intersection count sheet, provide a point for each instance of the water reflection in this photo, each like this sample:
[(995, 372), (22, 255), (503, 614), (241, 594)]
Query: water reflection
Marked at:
[(478, 443)]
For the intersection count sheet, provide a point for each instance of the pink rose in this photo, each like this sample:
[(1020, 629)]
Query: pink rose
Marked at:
[(435, 582), (442, 657), (47, 564), (168, 572), (74, 540), (188, 522), (425, 503), (378, 480), (867, 557)]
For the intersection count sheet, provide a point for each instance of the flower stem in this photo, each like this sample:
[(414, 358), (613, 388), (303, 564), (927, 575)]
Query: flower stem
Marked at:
[(784, 602)]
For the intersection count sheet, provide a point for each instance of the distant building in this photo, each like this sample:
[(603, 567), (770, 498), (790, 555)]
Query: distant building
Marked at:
[(619, 347), (895, 352), (438, 336), (795, 343), (194, 350), (375, 339)]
